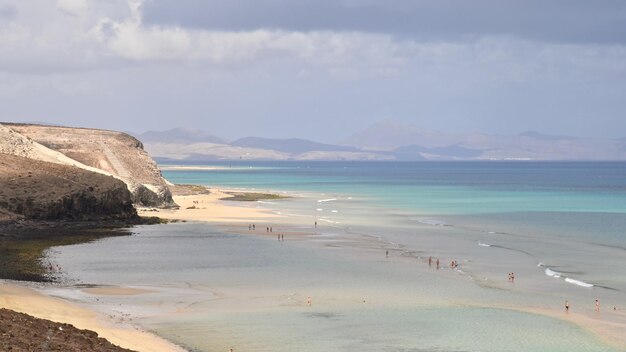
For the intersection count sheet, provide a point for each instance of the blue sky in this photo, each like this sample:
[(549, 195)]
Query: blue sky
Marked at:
[(316, 69)]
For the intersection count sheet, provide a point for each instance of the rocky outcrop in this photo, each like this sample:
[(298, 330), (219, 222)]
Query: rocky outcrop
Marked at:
[(23, 332), (38, 190), (107, 152)]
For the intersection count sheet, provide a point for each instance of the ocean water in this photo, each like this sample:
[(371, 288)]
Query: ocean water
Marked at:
[(558, 226)]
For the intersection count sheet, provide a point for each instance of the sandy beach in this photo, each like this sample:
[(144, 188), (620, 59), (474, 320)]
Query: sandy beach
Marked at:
[(210, 208), (26, 300)]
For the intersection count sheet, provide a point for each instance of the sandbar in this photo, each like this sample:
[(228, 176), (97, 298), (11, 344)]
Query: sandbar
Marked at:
[(210, 208)]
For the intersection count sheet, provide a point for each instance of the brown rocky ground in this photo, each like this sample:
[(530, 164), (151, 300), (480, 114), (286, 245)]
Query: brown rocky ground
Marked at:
[(21, 332), (38, 190)]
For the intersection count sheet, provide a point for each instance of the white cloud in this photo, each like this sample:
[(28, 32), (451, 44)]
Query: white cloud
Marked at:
[(73, 7), (109, 34)]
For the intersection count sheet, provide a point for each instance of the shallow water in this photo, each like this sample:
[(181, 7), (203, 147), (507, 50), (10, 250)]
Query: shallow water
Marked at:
[(214, 290)]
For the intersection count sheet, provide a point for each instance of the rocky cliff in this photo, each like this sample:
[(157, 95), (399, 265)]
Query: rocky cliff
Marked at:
[(105, 152), (39, 190)]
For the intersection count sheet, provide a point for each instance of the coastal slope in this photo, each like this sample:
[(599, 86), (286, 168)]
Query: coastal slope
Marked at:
[(107, 152), (38, 190)]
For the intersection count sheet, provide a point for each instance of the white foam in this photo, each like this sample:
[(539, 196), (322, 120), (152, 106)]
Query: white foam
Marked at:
[(578, 282), (433, 222), (492, 232), (484, 244), (263, 202), (327, 200), (553, 273), (329, 221), (334, 211), (319, 209)]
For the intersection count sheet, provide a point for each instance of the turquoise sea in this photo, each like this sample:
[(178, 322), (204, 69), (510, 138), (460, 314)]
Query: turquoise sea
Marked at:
[(559, 226)]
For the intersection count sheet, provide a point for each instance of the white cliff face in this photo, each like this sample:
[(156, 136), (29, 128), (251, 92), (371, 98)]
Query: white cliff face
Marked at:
[(14, 143)]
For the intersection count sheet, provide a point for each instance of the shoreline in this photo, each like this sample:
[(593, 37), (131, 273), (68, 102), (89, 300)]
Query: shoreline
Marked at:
[(606, 331), (233, 216), (20, 298), (24, 297)]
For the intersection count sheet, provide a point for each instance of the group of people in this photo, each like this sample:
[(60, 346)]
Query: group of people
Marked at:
[(511, 277), (597, 306), (430, 262), (251, 227)]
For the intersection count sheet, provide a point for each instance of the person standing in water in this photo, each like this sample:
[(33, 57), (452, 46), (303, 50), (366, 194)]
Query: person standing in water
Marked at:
[(566, 306), (597, 305)]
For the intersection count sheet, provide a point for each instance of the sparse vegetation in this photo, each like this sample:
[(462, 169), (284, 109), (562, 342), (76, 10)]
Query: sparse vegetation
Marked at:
[(252, 196)]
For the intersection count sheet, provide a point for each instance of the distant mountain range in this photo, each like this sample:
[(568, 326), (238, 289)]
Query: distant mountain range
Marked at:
[(291, 145), (178, 135), (385, 140)]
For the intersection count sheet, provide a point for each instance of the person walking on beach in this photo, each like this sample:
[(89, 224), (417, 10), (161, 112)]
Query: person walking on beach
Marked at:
[(253, 227), (437, 263), (597, 305), (316, 224), (309, 301), (282, 238), (430, 261), (387, 254), (513, 277), (566, 306)]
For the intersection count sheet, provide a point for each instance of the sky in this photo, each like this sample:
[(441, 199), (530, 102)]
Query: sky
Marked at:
[(316, 69)]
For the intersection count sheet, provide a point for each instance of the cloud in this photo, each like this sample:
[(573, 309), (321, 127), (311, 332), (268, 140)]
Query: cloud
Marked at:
[(7, 12), (73, 7), (555, 21), (113, 34)]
